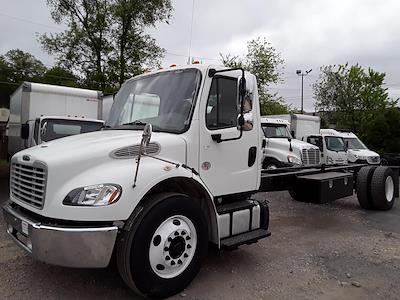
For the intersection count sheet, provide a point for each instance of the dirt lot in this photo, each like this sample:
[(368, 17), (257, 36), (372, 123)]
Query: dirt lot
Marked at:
[(328, 251)]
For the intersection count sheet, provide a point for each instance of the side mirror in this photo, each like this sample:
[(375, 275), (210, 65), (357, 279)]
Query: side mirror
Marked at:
[(25, 131), (147, 131)]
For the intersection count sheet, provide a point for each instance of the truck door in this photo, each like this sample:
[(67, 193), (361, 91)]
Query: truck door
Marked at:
[(228, 167)]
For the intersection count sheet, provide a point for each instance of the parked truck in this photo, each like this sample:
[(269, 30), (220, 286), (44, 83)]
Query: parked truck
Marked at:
[(41, 113), (307, 128), (357, 152), (282, 150), (173, 171)]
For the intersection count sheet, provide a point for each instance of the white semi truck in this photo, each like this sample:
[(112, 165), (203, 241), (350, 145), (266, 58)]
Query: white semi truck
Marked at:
[(175, 170), (42, 112), (282, 150)]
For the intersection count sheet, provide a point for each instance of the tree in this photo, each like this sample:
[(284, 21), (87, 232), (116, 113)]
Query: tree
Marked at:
[(264, 62), (353, 94), (106, 40), (21, 66), (357, 100), (17, 66), (59, 76)]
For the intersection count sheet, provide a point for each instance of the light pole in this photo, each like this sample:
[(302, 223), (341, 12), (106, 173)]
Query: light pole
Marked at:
[(300, 73)]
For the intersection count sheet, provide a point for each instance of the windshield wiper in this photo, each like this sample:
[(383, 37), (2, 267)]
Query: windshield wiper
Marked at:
[(136, 122)]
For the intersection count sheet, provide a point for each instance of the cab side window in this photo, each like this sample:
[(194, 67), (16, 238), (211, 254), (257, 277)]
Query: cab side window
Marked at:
[(222, 104), (315, 140)]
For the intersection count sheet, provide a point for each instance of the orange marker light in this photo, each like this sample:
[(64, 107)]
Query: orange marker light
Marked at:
[(173, 65), (195, 62)]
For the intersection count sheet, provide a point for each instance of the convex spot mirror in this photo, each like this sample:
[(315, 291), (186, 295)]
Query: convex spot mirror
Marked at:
[(147, 131)]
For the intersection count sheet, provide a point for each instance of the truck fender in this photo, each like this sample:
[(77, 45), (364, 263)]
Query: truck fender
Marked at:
[(190, 186)]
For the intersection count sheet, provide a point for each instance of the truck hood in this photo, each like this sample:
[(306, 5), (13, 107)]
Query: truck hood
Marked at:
[(297, 145), (95, 146), (363, 154)]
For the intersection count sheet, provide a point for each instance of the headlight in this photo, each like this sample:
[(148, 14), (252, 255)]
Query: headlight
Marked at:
[(294, 160), (94, 195), (329, 160)]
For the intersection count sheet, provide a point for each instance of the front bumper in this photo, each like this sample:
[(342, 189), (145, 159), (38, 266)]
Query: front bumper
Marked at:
[(67, 246)]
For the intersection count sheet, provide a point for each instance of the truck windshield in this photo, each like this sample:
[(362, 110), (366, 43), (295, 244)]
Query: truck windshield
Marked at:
[(52, 129), (164, 100), (335, 143), (355, 143), (275, 131)]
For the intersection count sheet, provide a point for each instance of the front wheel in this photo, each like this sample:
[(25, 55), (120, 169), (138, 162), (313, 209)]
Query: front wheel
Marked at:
[(163, 255)]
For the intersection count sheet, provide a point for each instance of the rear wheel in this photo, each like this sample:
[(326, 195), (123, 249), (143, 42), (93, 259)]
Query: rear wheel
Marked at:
[(163, 255), (364, 177), (382, 188)]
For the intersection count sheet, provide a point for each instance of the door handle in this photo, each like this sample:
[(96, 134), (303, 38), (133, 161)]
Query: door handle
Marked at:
[(252, 156)]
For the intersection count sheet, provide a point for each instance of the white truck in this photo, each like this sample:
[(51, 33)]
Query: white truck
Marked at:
[(281, 150), (357, 152), (307, 128), (175, 170), (42, 112)]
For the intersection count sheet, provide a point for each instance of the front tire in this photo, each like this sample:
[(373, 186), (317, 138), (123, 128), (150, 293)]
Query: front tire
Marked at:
[(164, 253)]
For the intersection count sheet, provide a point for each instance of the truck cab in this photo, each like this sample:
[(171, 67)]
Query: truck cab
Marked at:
[(173, 170), (49, 128), (357, 152), (282, 150), (333, 148)]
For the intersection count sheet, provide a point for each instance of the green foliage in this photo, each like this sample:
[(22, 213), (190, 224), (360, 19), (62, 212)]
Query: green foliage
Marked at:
[(356, 99), (22, 66), (264, 62), (106, 40), (17, 66), (382, 133), (60, 76)]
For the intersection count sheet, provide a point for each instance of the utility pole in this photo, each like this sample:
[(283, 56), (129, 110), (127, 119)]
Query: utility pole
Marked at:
[(302, 74)]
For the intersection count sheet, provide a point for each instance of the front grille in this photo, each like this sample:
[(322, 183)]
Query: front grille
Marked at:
[(310, 156), (28, 184)]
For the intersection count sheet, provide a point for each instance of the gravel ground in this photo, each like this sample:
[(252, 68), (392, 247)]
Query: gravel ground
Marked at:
[(326, 251)]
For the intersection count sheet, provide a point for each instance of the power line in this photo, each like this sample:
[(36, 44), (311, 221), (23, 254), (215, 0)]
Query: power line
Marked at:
[(30, 21)]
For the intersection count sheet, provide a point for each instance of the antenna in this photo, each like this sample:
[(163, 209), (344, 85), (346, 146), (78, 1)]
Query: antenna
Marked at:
[(191, 33)]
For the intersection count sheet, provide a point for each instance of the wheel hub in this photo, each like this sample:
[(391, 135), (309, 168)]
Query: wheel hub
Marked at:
[(389, 189), (173, 246), (177, 247)]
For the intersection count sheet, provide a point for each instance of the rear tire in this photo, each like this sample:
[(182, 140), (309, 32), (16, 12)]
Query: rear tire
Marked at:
[(383, 188), (364, 177), (162, 254)]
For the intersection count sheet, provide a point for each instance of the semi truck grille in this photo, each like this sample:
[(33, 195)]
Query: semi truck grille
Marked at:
[(28, 184), (310, 156)]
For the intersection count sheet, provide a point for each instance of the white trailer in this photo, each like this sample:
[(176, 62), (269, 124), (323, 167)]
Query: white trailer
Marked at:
[(65, 110), (174, 171)]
